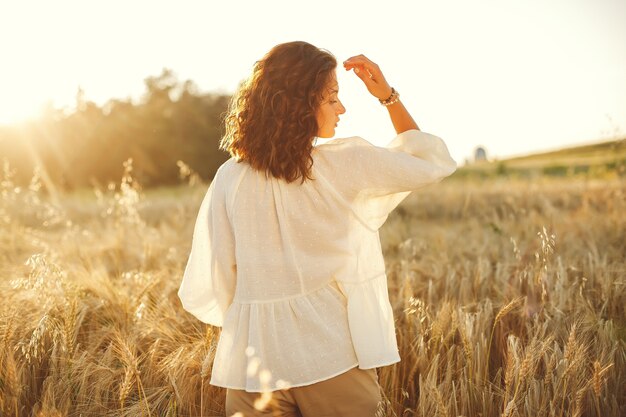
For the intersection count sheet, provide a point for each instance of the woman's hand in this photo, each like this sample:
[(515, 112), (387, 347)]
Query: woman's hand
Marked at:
[(370, 74)]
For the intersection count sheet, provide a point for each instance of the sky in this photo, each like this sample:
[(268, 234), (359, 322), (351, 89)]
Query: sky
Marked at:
[(514, 77)]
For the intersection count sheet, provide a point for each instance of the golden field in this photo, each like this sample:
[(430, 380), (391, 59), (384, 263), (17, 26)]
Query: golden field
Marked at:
[(509, 300)]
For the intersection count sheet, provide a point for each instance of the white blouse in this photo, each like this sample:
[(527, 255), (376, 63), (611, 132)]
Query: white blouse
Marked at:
[(294, 273)]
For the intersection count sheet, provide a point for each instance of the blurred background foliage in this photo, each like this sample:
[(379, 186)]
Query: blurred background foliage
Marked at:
[(87, 147)]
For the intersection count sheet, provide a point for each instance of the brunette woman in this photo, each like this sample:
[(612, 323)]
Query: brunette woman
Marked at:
[(286, 255)]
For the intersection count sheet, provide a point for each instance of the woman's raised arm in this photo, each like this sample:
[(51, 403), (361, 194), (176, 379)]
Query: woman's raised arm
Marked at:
[(371, 75)]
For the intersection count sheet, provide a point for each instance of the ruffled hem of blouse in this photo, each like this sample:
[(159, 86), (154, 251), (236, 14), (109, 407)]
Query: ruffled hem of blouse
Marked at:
[(311, 338)]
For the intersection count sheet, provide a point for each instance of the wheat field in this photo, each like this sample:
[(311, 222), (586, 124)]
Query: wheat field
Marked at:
[(509, 299)]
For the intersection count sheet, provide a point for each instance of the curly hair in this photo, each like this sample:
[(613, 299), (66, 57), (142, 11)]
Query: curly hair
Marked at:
[(271, 119)]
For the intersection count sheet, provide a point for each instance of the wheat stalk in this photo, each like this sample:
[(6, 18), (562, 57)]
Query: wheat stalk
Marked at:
[(598, 376), (127, 385), (503, 312)]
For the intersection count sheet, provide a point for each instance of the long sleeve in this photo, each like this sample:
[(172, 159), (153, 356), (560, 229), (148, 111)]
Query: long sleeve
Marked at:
[(209, 280), (384, 176)]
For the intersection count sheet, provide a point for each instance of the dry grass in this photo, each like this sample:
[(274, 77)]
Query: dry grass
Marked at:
[(508, 297)]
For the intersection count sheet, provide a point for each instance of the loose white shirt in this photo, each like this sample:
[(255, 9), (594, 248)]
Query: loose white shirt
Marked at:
[(294, 273)]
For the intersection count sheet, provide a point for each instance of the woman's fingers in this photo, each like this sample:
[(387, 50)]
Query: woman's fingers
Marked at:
[(357, 58), (365, 71), (361, 61), (371, 75)]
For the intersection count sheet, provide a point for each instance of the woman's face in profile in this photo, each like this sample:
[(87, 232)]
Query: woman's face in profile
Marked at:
[(330, 109)]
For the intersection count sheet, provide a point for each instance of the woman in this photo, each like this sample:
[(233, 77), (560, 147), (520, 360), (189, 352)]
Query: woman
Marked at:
[(286, 255)]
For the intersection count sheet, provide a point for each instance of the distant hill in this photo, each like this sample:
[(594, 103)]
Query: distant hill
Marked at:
[(596, 160)]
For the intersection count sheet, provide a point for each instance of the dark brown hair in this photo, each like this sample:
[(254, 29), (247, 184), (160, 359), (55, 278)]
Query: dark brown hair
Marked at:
[(271, 120)]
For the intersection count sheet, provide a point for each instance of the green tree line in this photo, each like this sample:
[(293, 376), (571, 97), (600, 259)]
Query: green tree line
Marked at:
[(88, 146)]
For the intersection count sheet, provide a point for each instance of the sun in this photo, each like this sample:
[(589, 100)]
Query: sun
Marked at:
[(25, 98), (17, 108)]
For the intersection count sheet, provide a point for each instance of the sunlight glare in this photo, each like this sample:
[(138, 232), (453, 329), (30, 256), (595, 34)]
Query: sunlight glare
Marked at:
[(16, 109)]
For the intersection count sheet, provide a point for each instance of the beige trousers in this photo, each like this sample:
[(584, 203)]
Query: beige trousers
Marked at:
[(355, 392)]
